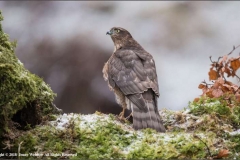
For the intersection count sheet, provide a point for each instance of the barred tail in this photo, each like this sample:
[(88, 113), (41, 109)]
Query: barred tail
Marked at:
[(147, 119)]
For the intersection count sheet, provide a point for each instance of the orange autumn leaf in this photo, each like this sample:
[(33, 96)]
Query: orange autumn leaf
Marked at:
[(212, 74), (227, 70), (196, 99), (201, 86), (209, 93), (235, 64), (222, 153), (225, 88), (219, 85)]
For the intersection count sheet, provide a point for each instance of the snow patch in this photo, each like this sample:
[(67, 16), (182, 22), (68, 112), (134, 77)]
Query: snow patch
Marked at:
[(234, 133)]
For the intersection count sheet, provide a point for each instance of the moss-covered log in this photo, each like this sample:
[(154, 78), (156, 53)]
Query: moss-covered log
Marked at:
[(25, 99)]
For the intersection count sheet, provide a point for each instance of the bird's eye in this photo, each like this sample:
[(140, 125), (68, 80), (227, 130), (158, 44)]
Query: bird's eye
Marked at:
[(118, 30)]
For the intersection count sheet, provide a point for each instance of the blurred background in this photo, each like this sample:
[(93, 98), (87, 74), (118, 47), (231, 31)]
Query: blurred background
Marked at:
[(65, 43)]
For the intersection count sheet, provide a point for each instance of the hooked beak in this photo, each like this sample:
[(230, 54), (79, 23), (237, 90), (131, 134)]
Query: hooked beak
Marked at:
[(109, 33)]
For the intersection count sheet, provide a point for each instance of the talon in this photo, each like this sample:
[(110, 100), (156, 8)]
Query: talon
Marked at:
[(128, 116), (121, 115)]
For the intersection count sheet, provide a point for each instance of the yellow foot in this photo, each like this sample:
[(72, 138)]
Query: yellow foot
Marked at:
[(121, 115)]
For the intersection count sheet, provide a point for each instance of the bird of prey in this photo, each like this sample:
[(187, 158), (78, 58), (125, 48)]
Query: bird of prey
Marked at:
[(131, 75)]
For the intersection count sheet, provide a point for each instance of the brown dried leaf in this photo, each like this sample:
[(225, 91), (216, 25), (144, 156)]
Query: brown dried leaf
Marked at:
[(227, 70), (217, 92), (205, 90), (196, 100), (212, 74), (216, 84), (221, 80), (225, 88), (222, 153), (201, 86), (220, 64), (209, 94), (234, 87), (235, 64)]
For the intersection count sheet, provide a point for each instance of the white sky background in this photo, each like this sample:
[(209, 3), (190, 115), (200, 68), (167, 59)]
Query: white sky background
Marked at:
[(181, 38)]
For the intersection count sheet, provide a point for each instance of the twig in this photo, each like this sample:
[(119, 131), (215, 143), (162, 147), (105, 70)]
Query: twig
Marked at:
[(233, 49), (237, 77), (211, 59), (204, 82), (194, 135), (219, 58), (236, 90), (224, 78), (19, 149)]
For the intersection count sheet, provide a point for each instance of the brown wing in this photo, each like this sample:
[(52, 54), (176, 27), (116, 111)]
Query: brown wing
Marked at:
[(133, 72)]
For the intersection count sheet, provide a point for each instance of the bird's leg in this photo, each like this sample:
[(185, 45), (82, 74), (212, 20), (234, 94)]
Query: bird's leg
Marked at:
[(128, 116), (121, 115)]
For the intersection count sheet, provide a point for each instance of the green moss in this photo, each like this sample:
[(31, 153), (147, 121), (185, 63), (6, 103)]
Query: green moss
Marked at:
[(210, 105), (25, 98), (218, 106), (177, 145), (99, 136), (43, 140), (235, 117), (235, 142), (52, 117), (221, 118), (105, 140), (29, 140), (102, 139), (143, 151)]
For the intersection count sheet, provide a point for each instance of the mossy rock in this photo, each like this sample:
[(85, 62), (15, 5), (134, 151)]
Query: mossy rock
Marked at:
[(101, 136), (25, 99)]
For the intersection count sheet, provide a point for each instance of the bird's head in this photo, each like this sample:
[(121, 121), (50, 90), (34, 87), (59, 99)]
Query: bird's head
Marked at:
[(120, 36), (118, 33)]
